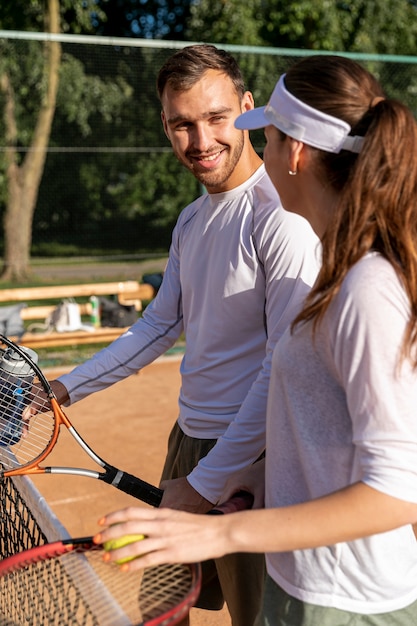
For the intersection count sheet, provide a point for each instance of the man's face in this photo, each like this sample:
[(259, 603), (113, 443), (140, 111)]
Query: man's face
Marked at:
[(200, 126)]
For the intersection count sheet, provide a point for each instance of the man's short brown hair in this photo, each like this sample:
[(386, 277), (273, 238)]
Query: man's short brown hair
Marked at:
[(186, 67)]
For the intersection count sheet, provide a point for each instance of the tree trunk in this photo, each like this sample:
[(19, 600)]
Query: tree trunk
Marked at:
[(23, 181)]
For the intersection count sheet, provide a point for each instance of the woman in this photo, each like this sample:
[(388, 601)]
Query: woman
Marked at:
[(341, 458)]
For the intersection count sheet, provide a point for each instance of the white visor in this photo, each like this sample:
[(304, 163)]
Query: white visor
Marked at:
[(300, 121)]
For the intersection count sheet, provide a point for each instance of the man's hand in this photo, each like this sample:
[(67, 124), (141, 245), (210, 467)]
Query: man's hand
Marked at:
[(178, 494), (60, 391), (251, 479), (39, 401)]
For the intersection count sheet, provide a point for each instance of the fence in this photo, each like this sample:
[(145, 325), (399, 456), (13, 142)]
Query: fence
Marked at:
[(110, 181)]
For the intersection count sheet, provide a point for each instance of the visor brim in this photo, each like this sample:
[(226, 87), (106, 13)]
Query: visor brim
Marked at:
[(253, 119)]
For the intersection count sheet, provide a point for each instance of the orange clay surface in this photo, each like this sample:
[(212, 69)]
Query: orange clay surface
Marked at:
[(128, 425)]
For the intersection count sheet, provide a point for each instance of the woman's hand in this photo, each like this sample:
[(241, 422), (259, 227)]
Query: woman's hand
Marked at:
[(170, 536)]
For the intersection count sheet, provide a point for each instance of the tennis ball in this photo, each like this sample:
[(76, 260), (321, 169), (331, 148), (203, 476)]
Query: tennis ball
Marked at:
[(114, 544)]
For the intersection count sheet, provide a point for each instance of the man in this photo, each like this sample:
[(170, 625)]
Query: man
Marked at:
[(239, 267)]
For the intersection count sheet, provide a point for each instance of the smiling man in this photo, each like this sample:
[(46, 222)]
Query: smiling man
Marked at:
[(239, 267), (197, 123)]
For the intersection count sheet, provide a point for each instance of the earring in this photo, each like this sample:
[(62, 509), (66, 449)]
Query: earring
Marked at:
[(292, 173)]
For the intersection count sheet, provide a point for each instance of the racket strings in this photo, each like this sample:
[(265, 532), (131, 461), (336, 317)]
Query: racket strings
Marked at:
[(43, 593), (27, 422), (146, 595), (79, 588), (164, 588)]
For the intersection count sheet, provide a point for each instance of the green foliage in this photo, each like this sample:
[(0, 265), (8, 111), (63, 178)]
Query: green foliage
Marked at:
[(110, 180), (29, 15), (53, 249), (134, 206), (147, 193), (82, 96), (231, 22), (354, 26), (338, 25), (28, 85)]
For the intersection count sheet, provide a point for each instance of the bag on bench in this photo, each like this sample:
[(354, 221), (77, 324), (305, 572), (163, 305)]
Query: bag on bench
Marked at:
[(116, 315), (11, 323), (65, 317)]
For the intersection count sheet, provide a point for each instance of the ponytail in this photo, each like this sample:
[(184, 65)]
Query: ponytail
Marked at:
[(376, 209)]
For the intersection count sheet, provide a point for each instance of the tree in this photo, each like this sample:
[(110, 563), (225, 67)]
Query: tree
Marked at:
[(102, 100), (336, 25), (378, 27), (361, 26), (124, 192), (232, 22), (23, 179), (29, 94)]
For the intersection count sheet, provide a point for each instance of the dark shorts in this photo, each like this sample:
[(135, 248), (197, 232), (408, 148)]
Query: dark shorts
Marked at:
[(236, 578), (281, 609)]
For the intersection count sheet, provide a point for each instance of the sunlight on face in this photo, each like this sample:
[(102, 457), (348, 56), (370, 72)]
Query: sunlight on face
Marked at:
[(275, 164), (199, 123)]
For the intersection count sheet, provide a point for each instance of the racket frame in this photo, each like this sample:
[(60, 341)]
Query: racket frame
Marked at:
[(82, 545), (123, 481)]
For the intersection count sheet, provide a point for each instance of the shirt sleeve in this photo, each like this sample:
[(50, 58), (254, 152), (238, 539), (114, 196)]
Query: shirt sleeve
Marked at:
[(151, 336), (290, 256), (368, 325)]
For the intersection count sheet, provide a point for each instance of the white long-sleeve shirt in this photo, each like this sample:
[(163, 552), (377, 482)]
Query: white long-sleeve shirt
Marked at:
[(341, 411), (239, 267)]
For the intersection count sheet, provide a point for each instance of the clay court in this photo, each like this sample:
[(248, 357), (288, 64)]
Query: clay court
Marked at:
[(128, 425)]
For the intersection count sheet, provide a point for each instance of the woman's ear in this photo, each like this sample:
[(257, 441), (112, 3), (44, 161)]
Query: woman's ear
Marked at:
[(296, 154)]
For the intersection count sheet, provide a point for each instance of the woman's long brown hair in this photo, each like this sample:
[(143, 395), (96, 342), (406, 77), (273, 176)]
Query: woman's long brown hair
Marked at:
[(377, 201)]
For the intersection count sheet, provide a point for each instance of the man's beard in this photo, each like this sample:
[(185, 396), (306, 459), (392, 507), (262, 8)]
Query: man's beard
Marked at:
[(217, 178)]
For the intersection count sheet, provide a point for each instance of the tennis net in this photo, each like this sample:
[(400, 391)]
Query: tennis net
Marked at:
[(79, 590), (27, 521)]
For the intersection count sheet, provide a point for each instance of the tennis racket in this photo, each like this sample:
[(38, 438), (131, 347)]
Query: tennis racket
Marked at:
[(67, 582), (25, 444)]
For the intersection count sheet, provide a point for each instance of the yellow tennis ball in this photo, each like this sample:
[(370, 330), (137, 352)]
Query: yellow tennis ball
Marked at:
[(114, 544)]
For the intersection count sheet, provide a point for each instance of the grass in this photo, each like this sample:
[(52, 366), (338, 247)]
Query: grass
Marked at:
[(55, 272), (68, 357), (67, 271)]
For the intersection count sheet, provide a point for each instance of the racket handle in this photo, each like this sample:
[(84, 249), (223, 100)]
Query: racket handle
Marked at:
[(152, 495), (139, 489), (240, 501)]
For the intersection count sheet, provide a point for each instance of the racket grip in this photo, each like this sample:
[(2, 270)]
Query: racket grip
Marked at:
[(240, 501), (140, 489)]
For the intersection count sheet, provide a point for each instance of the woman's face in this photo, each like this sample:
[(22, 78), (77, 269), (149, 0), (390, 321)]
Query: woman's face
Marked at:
[(276, 158), (305, 193)]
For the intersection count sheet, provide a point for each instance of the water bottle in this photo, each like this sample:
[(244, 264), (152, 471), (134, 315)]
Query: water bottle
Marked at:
[(16, 378), (95, 311)]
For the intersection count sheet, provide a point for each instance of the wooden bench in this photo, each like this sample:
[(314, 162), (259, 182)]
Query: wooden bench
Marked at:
[(128, 292)]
